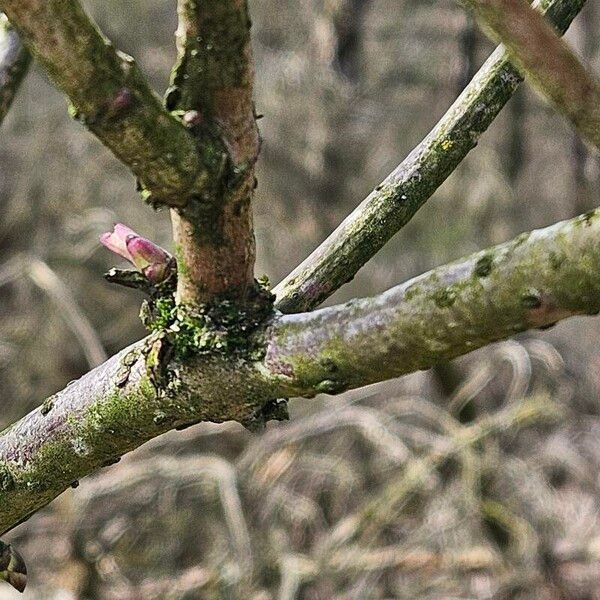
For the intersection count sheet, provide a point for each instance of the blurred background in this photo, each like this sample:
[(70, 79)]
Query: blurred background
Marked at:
[(476, 479)]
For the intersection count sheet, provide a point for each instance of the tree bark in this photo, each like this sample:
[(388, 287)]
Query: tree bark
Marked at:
[(531, 282), (396, 200), (109, 95), (212, 84)]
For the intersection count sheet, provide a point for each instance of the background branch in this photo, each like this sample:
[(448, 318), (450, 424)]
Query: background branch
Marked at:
[(14, 62), (545, 60), (48, 281), (109, 95), (395, 201), (533, 281)]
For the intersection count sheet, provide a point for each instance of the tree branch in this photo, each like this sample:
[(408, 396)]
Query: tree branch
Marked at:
[(395, 201), (532, 281), (212, 83), (545, 60), (14, 62), (111, 97)]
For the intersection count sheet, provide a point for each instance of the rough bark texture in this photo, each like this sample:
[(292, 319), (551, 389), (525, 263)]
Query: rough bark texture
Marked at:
[(212, 85), (14, 61), (533, 281), (545, 60), (395, 201), (110, 96)]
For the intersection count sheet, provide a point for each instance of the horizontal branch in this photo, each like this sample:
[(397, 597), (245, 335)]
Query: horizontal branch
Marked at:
[(111, 97), (14, 62), (395, 201), (532, 281), (545, 60)]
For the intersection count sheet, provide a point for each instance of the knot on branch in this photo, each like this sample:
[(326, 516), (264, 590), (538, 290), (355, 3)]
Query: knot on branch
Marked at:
[(217, 327)]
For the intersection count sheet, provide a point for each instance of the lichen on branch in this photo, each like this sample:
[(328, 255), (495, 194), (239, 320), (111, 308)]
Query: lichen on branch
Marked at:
[(396, 200), (111, 97), (533, 281), (216, 327)]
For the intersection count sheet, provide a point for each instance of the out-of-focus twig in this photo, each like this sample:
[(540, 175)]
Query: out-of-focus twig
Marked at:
[(187, 471), (383, 508), (545, 60), (366, 420), (48, 281), (396, 200)]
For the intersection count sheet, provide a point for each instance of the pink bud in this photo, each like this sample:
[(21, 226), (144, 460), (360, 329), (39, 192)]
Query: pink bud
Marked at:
[(157, 272), (152, 260), (117, 240)]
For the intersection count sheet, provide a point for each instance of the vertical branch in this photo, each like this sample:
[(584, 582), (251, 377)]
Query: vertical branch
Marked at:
[(14, 61), (212, 85), (110, 96)]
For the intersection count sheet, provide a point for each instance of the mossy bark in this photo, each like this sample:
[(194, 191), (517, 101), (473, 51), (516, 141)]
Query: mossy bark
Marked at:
[(212, 84), (14, 62), (396, 200), (531, 282), (109, 95)]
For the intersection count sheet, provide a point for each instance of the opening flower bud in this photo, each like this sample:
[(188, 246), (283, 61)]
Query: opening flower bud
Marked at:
[(152, 260)]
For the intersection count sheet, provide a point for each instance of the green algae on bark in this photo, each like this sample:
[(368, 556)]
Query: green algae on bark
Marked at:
[(535, 280), (110, 96), (444, 313), (396, 200)]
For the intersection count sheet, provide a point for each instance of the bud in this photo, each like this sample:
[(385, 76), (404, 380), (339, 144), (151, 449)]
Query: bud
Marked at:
[(152, 260), (117, 240)]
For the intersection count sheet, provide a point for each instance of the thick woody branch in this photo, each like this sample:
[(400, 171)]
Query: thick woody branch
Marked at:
[(396, 200), (14, 62), (111, 97), (212, 84), (530, 282), (545, 60)]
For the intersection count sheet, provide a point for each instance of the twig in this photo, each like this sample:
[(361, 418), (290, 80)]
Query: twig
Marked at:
[(47, 280), (110, 96), (395, 201), (545, 60), (533, 281)]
